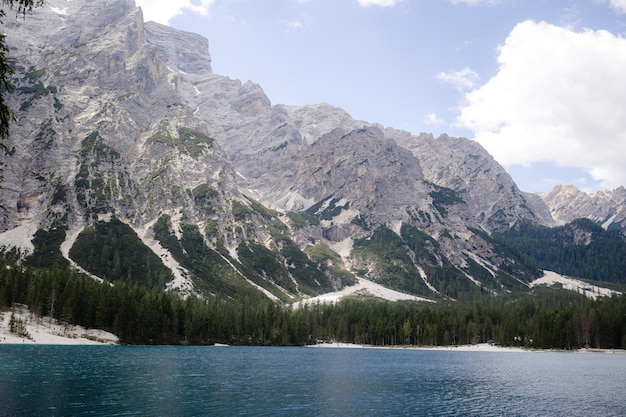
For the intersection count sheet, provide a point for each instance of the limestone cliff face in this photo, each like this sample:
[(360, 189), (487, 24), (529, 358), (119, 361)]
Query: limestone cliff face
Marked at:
[(105, 131), (99, 120), (568, 203), (464, 166), (123, 118)]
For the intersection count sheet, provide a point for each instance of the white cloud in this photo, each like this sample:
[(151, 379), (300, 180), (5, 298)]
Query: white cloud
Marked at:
[(464, 79), (619, 5), (433, 120), (558, 96), (162, 11), (381, 3)]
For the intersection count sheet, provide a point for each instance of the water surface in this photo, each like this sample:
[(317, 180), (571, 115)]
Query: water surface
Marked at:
[(275, 381)]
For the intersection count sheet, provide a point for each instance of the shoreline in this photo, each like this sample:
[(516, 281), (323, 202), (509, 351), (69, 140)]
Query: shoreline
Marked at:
[(480, 347), (46, 331)]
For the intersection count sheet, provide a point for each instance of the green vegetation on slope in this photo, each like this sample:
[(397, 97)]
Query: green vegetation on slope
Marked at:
[(113, 251), (189, 141), (548, 318), (581, 249), (213, 272), (47, 251)]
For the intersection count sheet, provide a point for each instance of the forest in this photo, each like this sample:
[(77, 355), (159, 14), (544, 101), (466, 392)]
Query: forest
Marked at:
[(581, 248), (547, 318)]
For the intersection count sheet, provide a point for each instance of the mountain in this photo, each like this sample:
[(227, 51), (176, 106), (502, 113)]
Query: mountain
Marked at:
[(567, 203), (133, 161)]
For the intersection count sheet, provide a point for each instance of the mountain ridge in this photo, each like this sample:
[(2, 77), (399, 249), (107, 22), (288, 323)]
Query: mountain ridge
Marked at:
[(126, 120)]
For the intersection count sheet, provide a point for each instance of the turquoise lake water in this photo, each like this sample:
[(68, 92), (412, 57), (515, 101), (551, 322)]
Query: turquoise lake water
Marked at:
[(276, 381)]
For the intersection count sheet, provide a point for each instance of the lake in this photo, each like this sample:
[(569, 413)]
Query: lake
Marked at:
[(282, 381)]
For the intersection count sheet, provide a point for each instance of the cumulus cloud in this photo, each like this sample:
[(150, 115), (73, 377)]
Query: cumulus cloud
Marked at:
[(559, 96), (162, 11), (462, 80), (619, 5), (381, 3)]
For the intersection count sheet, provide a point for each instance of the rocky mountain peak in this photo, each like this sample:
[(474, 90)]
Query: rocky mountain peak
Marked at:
[(179, 50), (567, 203), (124, 130)]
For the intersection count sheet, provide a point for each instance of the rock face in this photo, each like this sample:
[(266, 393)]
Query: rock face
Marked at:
[(568, 203), (464, 166), (124, 119)]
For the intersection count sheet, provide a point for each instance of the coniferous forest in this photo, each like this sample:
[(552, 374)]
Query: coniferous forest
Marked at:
[(548, 318)]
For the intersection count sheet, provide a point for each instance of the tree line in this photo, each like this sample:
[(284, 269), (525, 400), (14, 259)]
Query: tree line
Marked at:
[(547, 318), (581, 248)]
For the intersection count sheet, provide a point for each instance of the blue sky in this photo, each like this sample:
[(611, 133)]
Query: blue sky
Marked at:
[(539, 83)]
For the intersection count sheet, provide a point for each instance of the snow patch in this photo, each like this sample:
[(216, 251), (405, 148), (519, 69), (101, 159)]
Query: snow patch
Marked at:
[(19, 238), (46, 331), (362, 287), (61, 12), (182, 282), (588, 290)]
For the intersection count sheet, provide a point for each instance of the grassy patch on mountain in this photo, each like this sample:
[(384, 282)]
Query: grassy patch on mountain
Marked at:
[(311, 279), (240, 211), (34, 88), (327, 208), (329, 262), (187, 140), (452, 283), (302, 219), (204, 197), (444, 198)]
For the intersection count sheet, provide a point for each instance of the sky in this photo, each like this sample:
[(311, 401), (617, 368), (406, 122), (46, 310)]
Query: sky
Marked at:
[(541, 84)]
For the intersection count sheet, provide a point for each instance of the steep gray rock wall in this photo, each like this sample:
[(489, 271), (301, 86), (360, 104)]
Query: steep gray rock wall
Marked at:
[(100, 118), (567, 203), (464, 166)]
